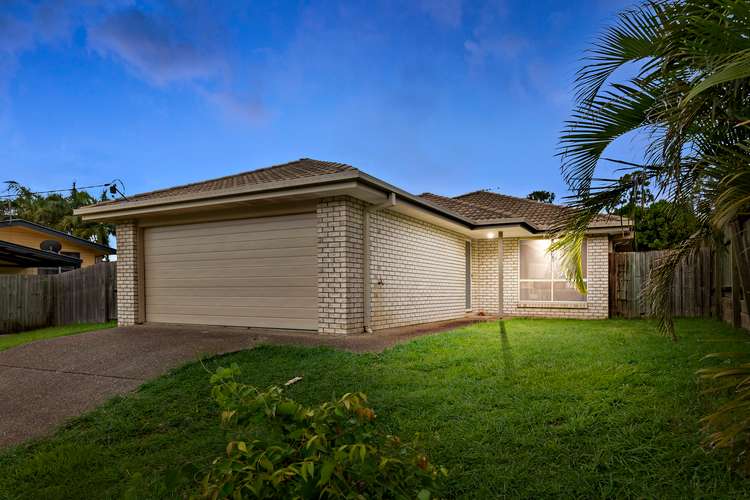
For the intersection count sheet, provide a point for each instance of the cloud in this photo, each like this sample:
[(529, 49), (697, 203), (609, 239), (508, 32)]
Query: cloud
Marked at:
[(237, 106), (153, 48), (483, 50), (170, 42), (446, 12)]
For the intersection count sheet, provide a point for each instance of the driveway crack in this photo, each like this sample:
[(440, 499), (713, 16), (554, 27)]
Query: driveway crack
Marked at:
[(71, 372)]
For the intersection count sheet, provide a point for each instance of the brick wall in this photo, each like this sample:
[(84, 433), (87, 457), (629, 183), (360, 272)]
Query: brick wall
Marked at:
[(484, 278), (340, 285), (597, 303), (417, 271), (127, 273)]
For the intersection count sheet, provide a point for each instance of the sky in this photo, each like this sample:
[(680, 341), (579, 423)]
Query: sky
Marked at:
[(444, 96)]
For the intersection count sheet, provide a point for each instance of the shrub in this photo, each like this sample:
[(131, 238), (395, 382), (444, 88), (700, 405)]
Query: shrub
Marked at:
[(278, 448), (729, 426)]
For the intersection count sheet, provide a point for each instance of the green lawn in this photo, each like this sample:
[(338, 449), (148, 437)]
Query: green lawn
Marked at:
[(549, 408), (15, 339)]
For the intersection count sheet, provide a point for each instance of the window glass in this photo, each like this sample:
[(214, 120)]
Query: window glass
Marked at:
[(536, 291), (540, 275), (535, 262), (557, 264), (565, 292)]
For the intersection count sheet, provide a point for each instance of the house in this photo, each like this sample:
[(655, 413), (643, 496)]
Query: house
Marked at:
[(18, 259), (22, 238), (323, 246)]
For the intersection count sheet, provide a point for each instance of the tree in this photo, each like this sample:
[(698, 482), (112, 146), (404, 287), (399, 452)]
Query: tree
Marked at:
[(690, 100), (660, 225), (56, 211), (543, 196)]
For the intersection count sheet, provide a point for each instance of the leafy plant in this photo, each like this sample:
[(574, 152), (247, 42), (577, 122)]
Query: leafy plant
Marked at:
[(686, 94), (279, 448), (729, 426)]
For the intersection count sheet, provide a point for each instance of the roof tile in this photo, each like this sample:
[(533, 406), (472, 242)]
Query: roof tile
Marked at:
[(299, 169)]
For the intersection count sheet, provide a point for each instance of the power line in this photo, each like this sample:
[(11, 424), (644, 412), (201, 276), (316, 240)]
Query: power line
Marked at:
[(106, 185)]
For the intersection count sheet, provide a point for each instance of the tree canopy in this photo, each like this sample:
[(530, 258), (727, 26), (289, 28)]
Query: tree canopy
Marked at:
[(543, 196), (55, 210)]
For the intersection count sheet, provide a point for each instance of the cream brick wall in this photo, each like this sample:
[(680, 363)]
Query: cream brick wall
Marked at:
[(418, 271), (597, 303), (340, 277), (127, 273), (484, 276)]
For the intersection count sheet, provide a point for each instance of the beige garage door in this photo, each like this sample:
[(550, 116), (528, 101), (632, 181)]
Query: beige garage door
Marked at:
[(250, 272)]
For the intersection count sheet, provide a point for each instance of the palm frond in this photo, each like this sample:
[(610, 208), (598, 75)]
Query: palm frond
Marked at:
[(636, 36), (658, 289), (595, 126)]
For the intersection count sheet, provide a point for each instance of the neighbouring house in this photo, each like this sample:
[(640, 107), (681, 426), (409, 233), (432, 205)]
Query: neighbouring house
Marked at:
[(23, 243), (18, 259), (323, 246)]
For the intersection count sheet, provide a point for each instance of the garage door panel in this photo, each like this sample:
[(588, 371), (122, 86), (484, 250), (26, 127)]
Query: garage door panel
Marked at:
[(238, 226), (239, 264), (293, 324), (236, 311), (272, 302), (238, 240), (236, 255), (249, 272), (224, 292), (217, 244), (212, 271), (235, 281)]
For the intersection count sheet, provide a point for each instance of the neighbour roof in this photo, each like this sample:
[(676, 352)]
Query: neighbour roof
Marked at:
[(23, 256), (57, 234), (298, 169)]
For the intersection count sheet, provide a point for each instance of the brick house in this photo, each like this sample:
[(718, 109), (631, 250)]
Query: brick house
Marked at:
[(323, 246)]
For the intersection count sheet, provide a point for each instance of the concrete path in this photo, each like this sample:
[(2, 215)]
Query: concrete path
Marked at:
[(44, 383)]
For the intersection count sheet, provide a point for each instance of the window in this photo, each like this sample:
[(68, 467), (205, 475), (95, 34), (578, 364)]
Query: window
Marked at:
[(58, 270), (540, 277)]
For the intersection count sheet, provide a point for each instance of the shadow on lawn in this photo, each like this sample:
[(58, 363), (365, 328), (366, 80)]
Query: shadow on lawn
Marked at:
[(509, 367)]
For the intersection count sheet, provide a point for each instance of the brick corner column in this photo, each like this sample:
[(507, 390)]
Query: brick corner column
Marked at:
[(340, 277), (127, 273)]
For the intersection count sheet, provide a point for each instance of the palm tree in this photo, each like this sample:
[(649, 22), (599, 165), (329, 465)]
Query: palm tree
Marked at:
[(690, 99)]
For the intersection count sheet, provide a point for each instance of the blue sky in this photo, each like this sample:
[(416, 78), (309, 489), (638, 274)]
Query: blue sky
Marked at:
[(442, 96)]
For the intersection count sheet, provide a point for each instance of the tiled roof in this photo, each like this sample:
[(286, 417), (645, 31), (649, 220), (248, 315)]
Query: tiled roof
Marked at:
[(541, 215), (464, 208), (299, 169), (479, 206)]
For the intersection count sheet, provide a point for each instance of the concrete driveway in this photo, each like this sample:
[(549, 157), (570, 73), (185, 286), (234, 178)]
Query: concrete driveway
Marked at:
[(44, 383)]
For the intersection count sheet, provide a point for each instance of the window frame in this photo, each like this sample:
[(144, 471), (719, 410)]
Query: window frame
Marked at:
[(552, 279)]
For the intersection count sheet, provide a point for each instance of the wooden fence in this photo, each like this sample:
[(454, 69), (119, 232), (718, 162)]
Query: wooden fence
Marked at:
[(85, 295), (694, 293)]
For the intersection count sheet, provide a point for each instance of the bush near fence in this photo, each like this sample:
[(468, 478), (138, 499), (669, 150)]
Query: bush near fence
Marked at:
[(85, 295)]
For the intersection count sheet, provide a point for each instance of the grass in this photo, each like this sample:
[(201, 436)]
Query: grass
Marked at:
[(15, 339), (547, 408)]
